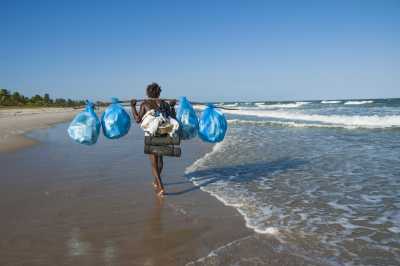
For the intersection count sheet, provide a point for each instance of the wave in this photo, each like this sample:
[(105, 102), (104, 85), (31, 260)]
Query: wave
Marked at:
[(330, 102), (231, 104), (203, 161), (355, 121), (358, 102), (281, 105), (285, 124)]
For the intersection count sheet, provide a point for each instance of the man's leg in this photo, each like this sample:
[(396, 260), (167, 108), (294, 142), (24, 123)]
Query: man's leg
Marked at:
[(155, 169), (160, 164)]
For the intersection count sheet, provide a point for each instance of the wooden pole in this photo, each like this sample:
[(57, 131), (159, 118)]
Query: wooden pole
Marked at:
[(127, 103)]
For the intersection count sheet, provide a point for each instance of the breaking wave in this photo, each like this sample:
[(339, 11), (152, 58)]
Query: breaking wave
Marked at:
[(360, 121), (241, 204), (330, 102), (281, 105), (285, 124), (231, 104), (358, 102)]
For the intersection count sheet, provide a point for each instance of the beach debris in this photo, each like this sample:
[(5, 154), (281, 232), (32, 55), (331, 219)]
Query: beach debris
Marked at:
[(85, 127), (115, 121)]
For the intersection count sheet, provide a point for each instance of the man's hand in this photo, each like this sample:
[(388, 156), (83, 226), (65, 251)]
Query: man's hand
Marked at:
[(133, 102)]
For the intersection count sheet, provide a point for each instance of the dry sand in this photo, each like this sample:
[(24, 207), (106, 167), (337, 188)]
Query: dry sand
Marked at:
[(15, 122)]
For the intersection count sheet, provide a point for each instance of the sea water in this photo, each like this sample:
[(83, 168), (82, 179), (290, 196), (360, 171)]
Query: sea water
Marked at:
[(323, 176)]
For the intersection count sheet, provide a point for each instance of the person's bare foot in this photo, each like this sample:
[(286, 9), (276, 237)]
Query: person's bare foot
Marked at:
[(161, 193), (155, 185)]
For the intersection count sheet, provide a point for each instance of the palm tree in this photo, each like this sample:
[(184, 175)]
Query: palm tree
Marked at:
[(16, 98), (4, 97)]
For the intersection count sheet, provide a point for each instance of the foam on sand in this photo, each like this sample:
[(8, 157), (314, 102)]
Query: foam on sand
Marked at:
[(232, 201)]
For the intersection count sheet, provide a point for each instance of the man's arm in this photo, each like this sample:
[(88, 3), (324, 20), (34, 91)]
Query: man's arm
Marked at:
[(137, 116)]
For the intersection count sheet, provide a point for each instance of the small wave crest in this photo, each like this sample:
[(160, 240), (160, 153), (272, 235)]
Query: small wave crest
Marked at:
[(281, 105), (358, 102), (284, 124), (330, 102), (230, 104)]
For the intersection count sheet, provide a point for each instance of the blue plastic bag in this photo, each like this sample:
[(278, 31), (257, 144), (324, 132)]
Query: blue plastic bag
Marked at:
[(85, 128), (187, 118), (115, 121), (212, 125)]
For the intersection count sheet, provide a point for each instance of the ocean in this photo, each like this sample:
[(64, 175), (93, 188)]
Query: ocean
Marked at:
[(322, 177)]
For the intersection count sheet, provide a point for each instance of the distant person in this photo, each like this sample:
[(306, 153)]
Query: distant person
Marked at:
[(167, 110)]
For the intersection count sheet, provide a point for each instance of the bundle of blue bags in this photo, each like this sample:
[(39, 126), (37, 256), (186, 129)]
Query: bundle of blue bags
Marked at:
[(116, 122), (210, 127), (85, 128)]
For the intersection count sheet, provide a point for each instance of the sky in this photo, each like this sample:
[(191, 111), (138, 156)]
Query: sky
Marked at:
[(205, 50)]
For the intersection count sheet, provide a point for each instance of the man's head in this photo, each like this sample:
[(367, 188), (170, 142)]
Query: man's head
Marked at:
[(153, 90)]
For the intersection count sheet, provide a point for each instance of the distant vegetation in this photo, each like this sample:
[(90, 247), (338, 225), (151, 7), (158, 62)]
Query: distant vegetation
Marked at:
[(8, 98)]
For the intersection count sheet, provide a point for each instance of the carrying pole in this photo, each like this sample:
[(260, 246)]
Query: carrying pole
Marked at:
[(127, 103), (168, 100)]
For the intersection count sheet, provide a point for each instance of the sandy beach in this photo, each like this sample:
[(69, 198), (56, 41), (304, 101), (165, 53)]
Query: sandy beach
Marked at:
[(65, 203), (60, 205), (290, 115), (14, 122), (71, 204)]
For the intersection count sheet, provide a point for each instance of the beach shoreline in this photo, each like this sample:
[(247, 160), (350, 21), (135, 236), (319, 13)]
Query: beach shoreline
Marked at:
[(15, 123), (57, 208), (33, 200)]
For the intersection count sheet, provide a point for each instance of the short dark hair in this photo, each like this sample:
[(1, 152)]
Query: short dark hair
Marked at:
[(153, 90)]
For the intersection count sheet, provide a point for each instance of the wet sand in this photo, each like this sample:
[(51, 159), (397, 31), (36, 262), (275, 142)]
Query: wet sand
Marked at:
[(63, 203), (15, 122)]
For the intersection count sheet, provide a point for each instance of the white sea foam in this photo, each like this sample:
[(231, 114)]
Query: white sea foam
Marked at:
[(230, 201), (330, 102), (201, 161), (372, 121), (285, 124), (281, 105), (358, 102), (268, 230), (231, 104), (214, 252), (261, 195)]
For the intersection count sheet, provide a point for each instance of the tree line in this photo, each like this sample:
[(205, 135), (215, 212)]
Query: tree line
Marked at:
[(8, 98)]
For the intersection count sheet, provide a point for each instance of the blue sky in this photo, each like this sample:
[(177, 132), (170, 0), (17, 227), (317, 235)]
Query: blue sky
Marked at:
[(206, 50)]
